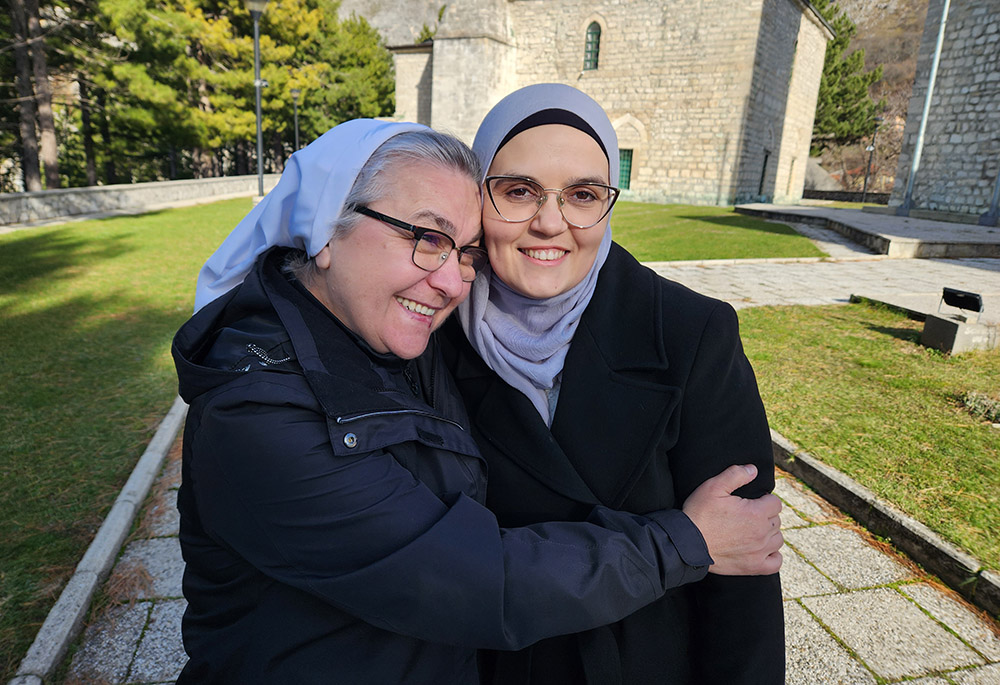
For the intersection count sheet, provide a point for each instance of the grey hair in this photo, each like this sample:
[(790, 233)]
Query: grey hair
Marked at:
[(415, 147)]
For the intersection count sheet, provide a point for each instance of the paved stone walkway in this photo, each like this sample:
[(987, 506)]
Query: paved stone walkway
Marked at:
[(855, 612)]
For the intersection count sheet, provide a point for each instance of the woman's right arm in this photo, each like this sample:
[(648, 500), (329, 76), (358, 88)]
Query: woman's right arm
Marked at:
[(362, 534)]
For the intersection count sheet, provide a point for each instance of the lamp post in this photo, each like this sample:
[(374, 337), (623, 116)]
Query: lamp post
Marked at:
[(256, 8), (871, 153), (295, 104)]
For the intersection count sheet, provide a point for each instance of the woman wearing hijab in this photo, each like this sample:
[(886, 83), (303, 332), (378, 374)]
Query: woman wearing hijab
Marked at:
[(331, 507), (590, 380)]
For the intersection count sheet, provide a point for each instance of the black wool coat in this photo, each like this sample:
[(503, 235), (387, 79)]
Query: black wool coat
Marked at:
[(656, 397)]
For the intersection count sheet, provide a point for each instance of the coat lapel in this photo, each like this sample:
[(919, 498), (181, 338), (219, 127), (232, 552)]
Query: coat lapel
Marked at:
[(614, 406), (510, 422)]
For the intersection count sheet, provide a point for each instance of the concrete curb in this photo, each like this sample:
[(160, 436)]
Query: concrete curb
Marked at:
[(960, 571), (65, 618)]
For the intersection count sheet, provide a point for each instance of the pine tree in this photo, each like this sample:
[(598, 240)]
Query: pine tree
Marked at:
[(845, 112)]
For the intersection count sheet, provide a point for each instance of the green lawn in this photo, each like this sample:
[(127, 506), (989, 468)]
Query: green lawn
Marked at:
[(87, 312), (683, 232), (853, 386)]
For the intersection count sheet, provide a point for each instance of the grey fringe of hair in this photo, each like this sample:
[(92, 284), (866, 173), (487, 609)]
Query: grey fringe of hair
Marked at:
[(416, 147)]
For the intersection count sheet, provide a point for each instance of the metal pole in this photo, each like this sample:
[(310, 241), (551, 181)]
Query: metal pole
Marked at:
[(868, 169), (257, 83), (295, 105), (904, 209)]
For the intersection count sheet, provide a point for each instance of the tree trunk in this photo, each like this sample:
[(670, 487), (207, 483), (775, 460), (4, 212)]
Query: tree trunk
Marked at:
[(26, 99), (279, 153), (88, 131), (203, 161), (242, 159), (43, 93), (109, 158)]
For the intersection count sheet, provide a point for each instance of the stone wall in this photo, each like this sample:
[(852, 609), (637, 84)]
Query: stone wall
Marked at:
[(399, 21), (19, 208), (414, 79), (961, 155)]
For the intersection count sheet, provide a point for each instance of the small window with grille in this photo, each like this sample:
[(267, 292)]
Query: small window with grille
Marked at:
[(592, 47), (624, 169)]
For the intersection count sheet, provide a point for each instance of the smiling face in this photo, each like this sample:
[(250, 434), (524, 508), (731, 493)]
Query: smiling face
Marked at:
[(543, 256), (367, 278)]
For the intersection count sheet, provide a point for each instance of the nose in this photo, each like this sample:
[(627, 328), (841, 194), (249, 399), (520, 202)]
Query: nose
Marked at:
[(448, 277), (549, 221)]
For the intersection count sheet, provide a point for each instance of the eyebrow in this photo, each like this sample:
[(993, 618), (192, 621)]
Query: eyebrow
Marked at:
[(579, 180), (439, 222), (445, 226)]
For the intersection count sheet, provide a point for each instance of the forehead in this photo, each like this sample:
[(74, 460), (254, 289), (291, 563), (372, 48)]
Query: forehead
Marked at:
[(555, 152), (433, 196)]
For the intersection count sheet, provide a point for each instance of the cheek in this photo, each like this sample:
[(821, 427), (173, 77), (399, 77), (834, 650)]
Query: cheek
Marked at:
[(498, 235)]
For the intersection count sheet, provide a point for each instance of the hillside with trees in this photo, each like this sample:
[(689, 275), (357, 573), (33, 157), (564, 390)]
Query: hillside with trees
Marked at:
[(888, 32), (121, 91)]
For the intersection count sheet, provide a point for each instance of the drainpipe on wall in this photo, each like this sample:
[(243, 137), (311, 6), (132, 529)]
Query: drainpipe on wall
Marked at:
[(990, 218), (904, 209)]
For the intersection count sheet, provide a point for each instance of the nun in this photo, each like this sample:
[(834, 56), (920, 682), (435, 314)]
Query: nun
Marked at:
[(591, 381), (332, 505)]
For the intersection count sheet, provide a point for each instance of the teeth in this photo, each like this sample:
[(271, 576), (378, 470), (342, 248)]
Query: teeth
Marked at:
[(416, 307), (545, 255)]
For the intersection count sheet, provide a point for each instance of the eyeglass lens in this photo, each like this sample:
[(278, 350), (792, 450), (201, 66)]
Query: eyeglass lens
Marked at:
[(432, 250), (518, 199)]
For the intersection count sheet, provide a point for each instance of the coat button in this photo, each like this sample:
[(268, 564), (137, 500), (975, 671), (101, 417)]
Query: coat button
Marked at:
[(351, 440)]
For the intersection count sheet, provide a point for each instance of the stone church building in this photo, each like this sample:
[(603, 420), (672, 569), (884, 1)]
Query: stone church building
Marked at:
[(959, 169), (713, 100)]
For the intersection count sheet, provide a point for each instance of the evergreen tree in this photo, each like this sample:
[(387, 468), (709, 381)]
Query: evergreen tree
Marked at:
[(845, 112)]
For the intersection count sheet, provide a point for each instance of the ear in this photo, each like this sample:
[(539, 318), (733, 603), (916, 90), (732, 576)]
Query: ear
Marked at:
[(322, 258)]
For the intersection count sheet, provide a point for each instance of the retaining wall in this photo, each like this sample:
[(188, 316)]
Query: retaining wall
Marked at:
[(20, 208)]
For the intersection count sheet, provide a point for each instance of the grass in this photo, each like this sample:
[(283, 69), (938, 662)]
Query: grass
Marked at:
[(684, 232), (852, 386), (88, 311)]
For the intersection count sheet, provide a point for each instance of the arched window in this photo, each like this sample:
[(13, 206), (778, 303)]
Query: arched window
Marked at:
[(592, 46)]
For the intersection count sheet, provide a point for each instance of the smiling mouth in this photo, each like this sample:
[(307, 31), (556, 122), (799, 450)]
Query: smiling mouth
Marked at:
[(416, 307), (546, 255)]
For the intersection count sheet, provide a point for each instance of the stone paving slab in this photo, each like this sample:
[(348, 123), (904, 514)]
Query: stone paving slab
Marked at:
[(844, 556), (801, 579), (975, 630), (160, 655), (813, 656), (985, 675), (891, 634), (161, 559), (108, 645), (802, 502)]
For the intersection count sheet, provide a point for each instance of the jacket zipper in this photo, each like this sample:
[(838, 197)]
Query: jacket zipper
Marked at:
[(350, 419)]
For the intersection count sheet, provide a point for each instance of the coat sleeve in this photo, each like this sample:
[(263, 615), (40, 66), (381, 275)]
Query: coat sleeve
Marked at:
[(361, 534), (738, 627)]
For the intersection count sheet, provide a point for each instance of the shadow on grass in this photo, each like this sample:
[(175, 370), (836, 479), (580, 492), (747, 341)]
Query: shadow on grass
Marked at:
[(905, 334), (742, 222), (29, 257), (82, 387)]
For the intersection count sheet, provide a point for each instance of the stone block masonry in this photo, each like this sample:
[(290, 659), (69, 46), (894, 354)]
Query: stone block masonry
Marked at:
[(715, 99), (960, 161)]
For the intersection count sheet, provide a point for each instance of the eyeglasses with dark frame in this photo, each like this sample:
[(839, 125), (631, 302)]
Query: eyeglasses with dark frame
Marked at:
[(582, 205), (432, 248)]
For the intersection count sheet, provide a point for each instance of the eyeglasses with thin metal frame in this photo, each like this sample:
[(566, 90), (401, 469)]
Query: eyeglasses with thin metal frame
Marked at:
[(432, 248), (582, 205)]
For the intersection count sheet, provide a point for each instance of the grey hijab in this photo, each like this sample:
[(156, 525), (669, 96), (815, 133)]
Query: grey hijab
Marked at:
[(525, 340)]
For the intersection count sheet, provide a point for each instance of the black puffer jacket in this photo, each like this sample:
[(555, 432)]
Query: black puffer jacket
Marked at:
[(331, 515)]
